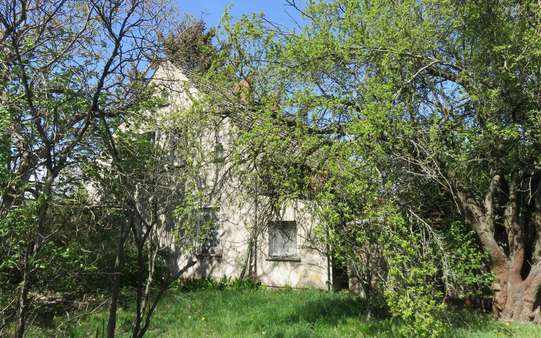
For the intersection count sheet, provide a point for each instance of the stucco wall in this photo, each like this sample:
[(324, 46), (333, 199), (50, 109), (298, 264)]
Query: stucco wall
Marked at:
[(237, 214)]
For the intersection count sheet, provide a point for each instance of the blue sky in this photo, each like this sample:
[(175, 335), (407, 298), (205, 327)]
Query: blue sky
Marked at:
[(211, 10)]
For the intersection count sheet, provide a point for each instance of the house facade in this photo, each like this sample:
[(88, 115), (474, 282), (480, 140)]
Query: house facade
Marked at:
[(278, 248)]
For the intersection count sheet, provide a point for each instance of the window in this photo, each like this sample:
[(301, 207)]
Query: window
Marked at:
[(219, 153), (207, 231), (283, 239)]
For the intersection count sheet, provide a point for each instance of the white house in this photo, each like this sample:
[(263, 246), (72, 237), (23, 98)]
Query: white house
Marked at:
[(278, 250)]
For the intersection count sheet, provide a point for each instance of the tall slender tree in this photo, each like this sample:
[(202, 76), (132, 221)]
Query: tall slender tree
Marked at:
[(66, 66)]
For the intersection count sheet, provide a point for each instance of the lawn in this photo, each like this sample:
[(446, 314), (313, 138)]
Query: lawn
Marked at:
[(262, 312)]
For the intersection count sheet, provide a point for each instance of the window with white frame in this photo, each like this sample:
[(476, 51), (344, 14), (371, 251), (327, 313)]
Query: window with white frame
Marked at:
[(283, 239)]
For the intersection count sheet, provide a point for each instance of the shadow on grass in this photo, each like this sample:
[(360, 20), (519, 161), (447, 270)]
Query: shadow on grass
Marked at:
[(378, 322), (330, 311), (473, 320)]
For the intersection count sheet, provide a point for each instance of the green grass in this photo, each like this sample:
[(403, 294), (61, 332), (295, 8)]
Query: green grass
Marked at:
[(264, 312)]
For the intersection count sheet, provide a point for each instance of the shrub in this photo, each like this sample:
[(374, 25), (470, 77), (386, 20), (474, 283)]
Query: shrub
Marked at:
[(190, 285)]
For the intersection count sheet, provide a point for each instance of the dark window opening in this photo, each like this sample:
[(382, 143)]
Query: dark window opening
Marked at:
[(207, 232), (219, 153)]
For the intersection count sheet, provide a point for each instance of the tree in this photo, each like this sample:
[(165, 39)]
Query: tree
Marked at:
[(189, 46), (139, 180), (66, 66), (155, 174), (439, 95)]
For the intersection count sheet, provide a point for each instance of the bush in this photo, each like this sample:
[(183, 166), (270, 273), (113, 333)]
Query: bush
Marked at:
[(191, 285), (414, 291)]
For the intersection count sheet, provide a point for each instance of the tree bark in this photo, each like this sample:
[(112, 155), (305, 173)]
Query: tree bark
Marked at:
[(31, 251), (516, 286), (517, 301), (115, 287), (22, 302)]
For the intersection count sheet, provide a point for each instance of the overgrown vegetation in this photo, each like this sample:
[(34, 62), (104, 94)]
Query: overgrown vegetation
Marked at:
[(234, 309), (411, 129), (400, 122)]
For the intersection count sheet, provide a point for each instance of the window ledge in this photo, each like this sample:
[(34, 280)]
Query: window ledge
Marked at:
[(210, 255), (283, 259)]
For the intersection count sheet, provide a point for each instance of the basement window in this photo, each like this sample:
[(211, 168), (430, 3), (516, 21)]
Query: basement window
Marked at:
[(283, 241)]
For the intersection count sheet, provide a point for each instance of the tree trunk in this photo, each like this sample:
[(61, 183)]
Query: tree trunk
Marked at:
[(136, 328), (31, 252), (515, 298), (515, 258), (22, 302), (115, 287)]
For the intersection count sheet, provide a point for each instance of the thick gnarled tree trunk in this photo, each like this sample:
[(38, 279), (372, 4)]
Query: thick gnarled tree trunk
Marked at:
[(508, 224)]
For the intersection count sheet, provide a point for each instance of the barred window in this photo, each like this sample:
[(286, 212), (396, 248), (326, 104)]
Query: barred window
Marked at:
[(283, 239), (219, 153), (207, 231)]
